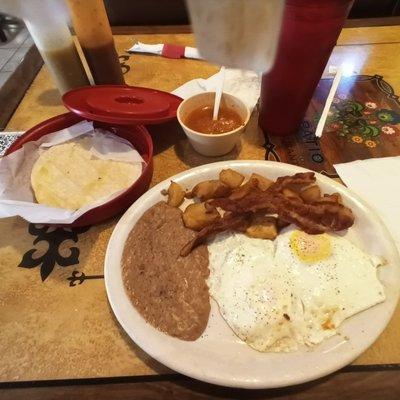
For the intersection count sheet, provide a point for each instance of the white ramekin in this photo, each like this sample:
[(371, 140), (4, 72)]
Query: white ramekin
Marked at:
[(212, 145)]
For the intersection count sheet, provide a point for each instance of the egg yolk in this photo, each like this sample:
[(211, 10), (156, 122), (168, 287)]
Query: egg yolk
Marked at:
[(310, 248)]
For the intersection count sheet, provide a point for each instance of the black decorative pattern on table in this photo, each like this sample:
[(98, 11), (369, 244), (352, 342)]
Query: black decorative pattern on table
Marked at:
[(124, 66), (270, 153), (52, 257), (384, 86), (77, 278)]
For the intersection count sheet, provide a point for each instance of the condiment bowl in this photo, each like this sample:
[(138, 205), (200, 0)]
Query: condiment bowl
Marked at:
[(212, 144)]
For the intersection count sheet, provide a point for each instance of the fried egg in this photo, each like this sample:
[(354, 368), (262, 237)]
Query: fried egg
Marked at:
[(253, 293), (333, 278), (296, 290)]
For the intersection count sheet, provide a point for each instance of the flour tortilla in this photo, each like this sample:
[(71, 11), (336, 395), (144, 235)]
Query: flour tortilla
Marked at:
[(69, 176)]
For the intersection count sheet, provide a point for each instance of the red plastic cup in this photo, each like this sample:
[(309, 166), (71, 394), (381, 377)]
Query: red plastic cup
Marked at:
[(309, 32)]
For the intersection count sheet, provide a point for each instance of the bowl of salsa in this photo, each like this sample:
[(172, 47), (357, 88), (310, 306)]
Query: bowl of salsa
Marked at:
[(213, 137)]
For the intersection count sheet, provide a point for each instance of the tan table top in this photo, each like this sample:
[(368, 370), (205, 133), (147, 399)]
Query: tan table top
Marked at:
[(51, 330)]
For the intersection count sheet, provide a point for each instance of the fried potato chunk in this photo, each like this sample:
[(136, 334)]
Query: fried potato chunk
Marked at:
[(210, 190), (262, 227), (329, 198), (231, 178), (198, 215), (176, 194), (263, 183), (244, 190), (291, 194), (336, 197), (311, 193)]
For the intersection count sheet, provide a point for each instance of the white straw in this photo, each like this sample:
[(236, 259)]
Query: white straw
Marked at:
[(331, 95), (218, 93)]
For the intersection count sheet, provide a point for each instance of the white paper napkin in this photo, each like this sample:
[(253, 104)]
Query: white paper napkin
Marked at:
[(243, 84), (377, 180), (139, 47)]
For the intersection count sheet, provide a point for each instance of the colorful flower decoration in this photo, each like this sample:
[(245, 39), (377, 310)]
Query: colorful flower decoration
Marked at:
[(357, 139), (388, 116), (335, 125), (362, 123), (388, 130), (370, 143), (371, 105)]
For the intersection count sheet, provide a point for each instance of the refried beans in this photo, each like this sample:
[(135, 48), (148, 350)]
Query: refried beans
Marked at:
[(169, 291)]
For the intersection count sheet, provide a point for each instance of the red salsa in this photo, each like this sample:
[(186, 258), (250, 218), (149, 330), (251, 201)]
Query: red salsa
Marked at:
[(201, 120)]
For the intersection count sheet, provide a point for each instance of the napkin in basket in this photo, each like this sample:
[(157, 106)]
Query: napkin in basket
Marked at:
[(16, 195)]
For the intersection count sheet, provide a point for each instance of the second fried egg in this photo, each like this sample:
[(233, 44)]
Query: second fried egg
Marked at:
[(277, 295)]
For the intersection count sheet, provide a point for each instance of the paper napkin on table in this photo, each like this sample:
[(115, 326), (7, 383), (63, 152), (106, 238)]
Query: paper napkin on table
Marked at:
[(240, 83), (377, 180), (166, 50)]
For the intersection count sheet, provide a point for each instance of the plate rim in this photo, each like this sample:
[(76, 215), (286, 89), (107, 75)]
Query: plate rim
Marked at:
[(242, 383)]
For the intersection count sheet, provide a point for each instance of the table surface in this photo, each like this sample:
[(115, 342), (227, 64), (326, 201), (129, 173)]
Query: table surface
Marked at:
[(53, 331)]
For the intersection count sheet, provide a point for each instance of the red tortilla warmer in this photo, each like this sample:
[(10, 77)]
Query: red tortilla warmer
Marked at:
[(122, 110)]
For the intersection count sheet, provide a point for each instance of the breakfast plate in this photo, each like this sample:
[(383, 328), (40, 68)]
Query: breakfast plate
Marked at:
[(219, 356)]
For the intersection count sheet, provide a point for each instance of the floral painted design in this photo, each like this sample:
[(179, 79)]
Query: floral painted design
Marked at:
[(362, 123), (370, 143), (335, 125), (388, 116), (357, 139), (370, 104), (388, 130)]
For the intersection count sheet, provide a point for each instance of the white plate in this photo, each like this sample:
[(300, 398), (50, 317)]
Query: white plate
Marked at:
[(219, 357)]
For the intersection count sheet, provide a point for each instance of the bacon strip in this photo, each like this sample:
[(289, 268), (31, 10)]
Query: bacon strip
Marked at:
[(299, 179), (256, 200), (313, 218), (229, 222)]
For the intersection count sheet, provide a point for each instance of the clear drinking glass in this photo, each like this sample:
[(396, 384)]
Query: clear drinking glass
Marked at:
[(47, 22), (237, 33)]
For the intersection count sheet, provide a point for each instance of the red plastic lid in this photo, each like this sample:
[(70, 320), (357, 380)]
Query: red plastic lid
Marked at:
[(122, 104)]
